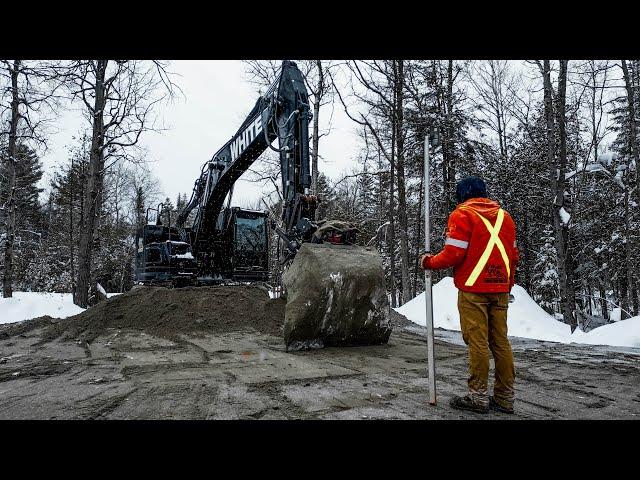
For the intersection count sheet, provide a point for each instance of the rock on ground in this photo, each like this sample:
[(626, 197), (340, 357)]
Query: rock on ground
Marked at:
[(335, 297)]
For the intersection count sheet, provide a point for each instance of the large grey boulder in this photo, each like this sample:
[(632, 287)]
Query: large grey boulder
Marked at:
[(335, 296)]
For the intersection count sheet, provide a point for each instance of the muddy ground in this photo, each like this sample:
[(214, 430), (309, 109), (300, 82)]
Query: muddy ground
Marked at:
[(219, 354)]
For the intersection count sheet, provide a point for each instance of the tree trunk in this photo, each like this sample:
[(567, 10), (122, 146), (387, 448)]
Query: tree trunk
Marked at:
[(419, 219), (603, 301), (316, 134), (633, 127), (557, 173), (392, 221), (93, 189), (562, 229), (631, 302), (627, 301), (10, 204), (451, 171), (402, 199), (71, 226), (524, 254), (590, 298)]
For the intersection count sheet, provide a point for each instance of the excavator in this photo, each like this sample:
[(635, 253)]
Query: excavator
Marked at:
[(225, 243)]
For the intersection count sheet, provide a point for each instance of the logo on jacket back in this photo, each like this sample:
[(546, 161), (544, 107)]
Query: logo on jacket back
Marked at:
[(495, 274), (244, 139)]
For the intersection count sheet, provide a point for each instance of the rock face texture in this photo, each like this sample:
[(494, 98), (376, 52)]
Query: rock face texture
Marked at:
[(335, 297)]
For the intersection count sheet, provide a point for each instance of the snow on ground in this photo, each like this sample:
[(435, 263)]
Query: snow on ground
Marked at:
[(26, 305), (616, 314), (525, 319), (623, 333)]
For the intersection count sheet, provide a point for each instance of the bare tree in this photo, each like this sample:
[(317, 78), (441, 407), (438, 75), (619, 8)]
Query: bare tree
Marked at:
[(633, 124), (316, 76), (554, 106), (30, 93), (380, 89), (119, 97), (495, 88), (144, 192)]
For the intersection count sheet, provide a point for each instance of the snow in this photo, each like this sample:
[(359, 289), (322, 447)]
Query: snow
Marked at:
[(595, 167), (101, 289), (184, 255), (623, 333), (564, 216), (26, 305), (616, 314), (526, 319), (253, 211), (607, 157)]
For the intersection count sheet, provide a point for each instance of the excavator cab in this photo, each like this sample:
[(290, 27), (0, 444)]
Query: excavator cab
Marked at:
[(239, 251), (250, 258), (161, 258)]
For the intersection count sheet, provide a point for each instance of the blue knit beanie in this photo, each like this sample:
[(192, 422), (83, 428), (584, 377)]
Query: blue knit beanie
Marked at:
[(470, 187)]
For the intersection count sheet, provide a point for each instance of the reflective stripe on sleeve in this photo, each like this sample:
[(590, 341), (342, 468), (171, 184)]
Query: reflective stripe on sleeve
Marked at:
[(456, 243)]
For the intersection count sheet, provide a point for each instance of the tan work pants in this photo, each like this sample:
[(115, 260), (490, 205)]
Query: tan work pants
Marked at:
[(483, 319)]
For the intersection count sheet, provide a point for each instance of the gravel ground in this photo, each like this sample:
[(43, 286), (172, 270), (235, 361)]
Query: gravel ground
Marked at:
[(241, 372)]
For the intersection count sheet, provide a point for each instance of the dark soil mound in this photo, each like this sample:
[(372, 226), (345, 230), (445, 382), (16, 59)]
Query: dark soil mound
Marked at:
[(399, 320), (169, 312), (22, 328)]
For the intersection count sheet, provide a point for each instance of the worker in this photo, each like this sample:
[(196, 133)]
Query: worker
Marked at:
[(481, 247)]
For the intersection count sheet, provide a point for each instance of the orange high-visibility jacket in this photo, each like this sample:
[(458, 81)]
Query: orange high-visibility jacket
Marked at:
[(481, 246)]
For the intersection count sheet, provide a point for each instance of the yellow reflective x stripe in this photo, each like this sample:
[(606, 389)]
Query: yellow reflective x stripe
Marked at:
[(494, 240)]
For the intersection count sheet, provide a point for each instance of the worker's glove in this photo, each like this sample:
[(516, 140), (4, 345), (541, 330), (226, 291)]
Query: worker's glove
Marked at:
[(424, 260)]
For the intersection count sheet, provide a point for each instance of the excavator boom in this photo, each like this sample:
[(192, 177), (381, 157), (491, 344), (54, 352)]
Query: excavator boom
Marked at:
[(233, 242)]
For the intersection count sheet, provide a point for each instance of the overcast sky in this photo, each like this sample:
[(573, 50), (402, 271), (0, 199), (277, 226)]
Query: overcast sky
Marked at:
[(217, 99)]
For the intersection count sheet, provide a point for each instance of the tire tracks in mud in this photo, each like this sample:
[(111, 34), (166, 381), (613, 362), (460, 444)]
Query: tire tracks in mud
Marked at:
[(274, 391)]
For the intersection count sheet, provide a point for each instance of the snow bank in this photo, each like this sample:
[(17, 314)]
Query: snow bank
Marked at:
[(26, 305), (525, 319), (623, 333)]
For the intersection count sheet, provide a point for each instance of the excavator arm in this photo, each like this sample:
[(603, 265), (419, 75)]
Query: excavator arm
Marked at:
[(282, 113), (229, 242)]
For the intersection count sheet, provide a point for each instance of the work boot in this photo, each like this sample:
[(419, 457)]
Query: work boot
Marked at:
[(467, 403), (493, 405)]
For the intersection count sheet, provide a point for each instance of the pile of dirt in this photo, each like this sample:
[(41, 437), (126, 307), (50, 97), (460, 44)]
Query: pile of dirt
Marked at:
[(168, 312), (398, 320)]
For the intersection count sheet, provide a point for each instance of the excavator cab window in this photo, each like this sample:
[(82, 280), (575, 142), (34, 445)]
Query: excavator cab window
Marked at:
[(250, 242), (153, 255), (251, 234), (178, 248)]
